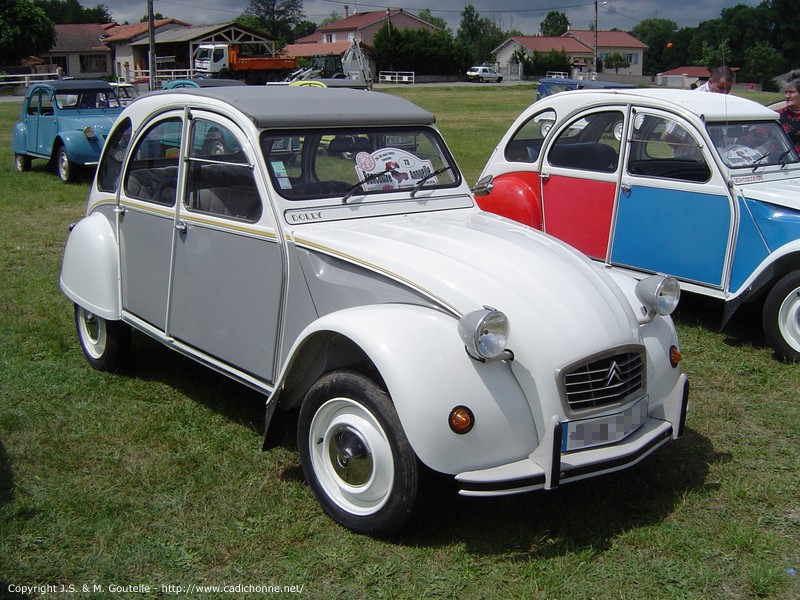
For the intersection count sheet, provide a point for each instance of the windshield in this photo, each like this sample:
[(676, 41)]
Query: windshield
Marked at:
[(82, 99), (758, 144), (356, 163)]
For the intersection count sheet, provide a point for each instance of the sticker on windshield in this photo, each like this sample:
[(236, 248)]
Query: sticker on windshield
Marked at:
[(391, 169)]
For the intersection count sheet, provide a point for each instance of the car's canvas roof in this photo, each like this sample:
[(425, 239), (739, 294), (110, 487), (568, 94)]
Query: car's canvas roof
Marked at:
[(67, 85), (310, 106), (708, 106)]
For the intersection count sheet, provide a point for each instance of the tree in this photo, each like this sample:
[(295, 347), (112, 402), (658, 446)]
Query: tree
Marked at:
[(331, 18), (478, 36), (762, 63), (555, 24), (425, 15), (658, 34), (25, 30), (275, 17), (616, 61), (72, 11), (714, 55), (156, 16)]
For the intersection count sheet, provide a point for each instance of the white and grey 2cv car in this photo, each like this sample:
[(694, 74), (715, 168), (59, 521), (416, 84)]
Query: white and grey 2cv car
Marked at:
[(321, 246)]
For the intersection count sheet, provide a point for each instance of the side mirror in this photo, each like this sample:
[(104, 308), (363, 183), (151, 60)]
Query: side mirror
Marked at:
[(484, 186)]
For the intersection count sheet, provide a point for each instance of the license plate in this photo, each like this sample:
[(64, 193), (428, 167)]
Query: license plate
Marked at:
[(608, 429)]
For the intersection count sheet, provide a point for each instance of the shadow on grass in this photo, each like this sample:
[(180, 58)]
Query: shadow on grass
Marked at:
[(6, 496), (585, 515), (744, 329), (150, 360)]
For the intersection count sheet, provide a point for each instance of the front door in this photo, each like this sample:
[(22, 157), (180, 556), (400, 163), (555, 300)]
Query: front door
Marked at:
[(675, 215), (227, 280)]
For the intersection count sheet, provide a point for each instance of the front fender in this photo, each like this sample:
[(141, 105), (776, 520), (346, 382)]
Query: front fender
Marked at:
[(80, 149), (90, 271), (427, 373)]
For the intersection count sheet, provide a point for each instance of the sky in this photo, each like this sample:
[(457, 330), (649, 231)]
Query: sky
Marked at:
[(521, 15)]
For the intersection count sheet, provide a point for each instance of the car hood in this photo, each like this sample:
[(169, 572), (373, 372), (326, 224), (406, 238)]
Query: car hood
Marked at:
[(100, 121), (554, 297), (781, 192)]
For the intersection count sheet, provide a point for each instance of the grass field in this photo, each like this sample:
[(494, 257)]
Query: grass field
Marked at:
[(155, 477)]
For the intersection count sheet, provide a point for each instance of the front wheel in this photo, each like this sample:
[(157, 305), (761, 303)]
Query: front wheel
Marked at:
[(355, 455), (66, 168), (781, 317), (104, 343), (22, 162)]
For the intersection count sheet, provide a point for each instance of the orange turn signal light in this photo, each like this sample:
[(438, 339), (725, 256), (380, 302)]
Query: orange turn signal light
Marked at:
[(461, 420), (675, 356)]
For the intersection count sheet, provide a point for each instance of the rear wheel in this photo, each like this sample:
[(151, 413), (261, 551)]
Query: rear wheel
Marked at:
[(781, 317), (22, 162), (355, 455), (104, 343)]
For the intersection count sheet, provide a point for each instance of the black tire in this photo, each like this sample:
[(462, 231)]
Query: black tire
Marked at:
[(67, 169), (499, 80), (105, 344), (781, 317), (22, 162), (355, 456)]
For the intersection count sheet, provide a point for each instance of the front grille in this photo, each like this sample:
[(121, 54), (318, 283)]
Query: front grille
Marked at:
[(605, 380)]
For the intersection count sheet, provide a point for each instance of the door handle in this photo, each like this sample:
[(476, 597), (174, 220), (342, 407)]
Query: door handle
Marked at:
[(544, 176), (181, 226), (626, 189)]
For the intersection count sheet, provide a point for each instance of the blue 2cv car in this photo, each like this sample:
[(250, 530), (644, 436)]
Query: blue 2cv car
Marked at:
[(65, 122)]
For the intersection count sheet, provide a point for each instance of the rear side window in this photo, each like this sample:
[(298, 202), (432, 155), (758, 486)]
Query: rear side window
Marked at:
[(591, 143), (113, 154), (153, 169), (527, 142)]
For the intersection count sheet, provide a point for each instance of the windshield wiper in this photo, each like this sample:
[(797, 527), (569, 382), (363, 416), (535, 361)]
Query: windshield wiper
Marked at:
[(366, 179), (757, 161), (782, 157), (418, 186)]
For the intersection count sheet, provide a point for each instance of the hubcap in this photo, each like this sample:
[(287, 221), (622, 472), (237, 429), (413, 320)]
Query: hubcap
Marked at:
[(351, 456), (789, 319), (93, 333)]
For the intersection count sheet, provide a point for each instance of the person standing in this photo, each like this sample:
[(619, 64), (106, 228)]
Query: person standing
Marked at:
[(789, 115)]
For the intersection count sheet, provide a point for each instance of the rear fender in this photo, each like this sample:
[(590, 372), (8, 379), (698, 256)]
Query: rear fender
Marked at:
[(90, 271), (427, 372), (516, 196)]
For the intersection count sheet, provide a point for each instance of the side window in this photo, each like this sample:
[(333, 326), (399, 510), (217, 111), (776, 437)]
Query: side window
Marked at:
[(33, 105), (152, 173), (221, 180), (527, 142), (113, 154), (47, 105), (590, 143), (663, 147)]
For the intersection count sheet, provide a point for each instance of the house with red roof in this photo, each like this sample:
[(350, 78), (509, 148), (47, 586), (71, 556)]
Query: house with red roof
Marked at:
[(579, 45)]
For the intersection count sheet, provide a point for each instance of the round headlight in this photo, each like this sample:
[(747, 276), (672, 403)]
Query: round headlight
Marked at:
[(88, 131), (659, 294), (484, 332)]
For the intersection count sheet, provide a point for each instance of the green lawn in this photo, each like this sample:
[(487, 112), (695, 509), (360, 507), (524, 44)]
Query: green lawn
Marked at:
[(155, 476)]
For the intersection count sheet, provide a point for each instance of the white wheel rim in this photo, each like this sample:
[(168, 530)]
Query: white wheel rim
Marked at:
[(18, 162), (93, 333), (789, 319), (351, 456), (63, 165)]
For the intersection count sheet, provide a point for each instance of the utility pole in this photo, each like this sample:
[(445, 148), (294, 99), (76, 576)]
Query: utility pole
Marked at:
[(151, 32)]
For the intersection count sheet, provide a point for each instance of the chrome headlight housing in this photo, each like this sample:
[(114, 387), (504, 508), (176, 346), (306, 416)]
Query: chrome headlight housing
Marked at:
[(485, 333), (659, 294), (89, 132)]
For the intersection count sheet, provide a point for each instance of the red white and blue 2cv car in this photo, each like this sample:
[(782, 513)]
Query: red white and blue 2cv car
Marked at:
[(703, 187)]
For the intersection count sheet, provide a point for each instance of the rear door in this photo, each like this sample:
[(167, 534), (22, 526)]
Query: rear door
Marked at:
[(579, 177)]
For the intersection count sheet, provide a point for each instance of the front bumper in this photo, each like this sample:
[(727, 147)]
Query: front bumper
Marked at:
[(547, 466)]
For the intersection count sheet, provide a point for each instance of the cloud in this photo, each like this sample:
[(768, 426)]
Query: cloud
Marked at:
[(516, 14)]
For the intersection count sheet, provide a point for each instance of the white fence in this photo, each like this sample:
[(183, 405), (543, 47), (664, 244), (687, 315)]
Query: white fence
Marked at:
[(26, 79), (396, 77)]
